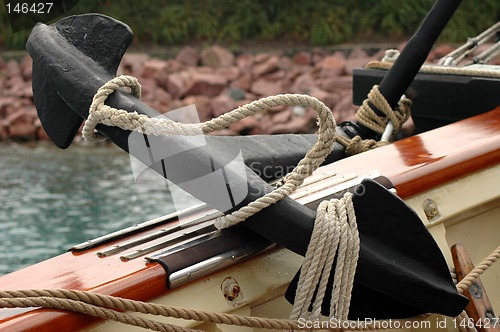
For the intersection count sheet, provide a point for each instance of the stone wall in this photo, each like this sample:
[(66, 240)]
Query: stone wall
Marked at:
[(216, 81)]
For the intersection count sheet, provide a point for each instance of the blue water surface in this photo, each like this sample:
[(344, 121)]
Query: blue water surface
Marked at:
[(52, 199)]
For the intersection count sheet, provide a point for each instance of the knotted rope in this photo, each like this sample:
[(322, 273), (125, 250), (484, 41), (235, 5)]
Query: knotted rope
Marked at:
[(367, 117), (335, 234)]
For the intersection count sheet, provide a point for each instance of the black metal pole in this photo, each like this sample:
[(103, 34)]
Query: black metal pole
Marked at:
[(412, 57), (408, 63)]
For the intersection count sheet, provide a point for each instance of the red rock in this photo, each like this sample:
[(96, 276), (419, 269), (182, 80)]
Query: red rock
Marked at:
[(222, 104), (153, 67), (279, 75), (245, 126), (176, 104), (5, 103), (26, 68), (12, 69), (332, 65), (318, 54), (265, 121), (148, 87), (209, 85), (295, 125), (22, 131), (217, 56), (328, 98), (261, 57), (275, 109), (162, 94), (189, 56), (249, 97), (41, 135), (245, 62), (201, 70), (283, 116), (174, 84), (303, 84), (358, 58), (224, 132), (16, 116), (266, 88), (231, 73), (203, 107), (333, 84), (358, 53), (174, 66), (132, 63), (21, 124), (4, 134), (26, 91), (266, 67), (345, 110), (244, 82), (351, 64), (302, 58)]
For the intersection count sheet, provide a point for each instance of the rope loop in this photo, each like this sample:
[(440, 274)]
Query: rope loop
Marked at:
[(101, 113), (367, 116)]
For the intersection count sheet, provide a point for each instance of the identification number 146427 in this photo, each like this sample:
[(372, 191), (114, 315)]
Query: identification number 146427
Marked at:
[(486, 323), (25, 8)]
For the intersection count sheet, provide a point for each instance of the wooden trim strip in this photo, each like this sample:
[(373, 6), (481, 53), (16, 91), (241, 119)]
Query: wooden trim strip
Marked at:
[(414, 165)]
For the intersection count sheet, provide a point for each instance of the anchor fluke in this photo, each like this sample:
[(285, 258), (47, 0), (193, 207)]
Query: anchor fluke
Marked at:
[(101, 39)]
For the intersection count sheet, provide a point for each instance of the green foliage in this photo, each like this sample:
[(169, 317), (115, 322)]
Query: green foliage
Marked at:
[(321, 22)]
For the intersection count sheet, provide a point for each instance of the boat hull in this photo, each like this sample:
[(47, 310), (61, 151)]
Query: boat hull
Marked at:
[(456, 167)]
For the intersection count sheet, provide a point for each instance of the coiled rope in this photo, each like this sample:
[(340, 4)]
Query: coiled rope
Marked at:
[(335, 234), (104, 306)]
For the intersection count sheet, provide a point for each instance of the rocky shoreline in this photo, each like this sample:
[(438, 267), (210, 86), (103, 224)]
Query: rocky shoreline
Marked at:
[(215, 81)]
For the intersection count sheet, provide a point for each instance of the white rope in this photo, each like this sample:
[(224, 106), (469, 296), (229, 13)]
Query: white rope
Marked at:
[(335, 234), (101, 113), (443, 70)]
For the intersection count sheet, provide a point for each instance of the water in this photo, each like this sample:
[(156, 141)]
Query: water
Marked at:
[(51, 199)]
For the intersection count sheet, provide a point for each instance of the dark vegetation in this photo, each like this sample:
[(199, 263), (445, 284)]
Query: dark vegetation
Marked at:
[(233, 22)]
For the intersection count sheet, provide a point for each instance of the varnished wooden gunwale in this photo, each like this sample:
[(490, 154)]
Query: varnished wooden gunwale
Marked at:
[(414, 165), (86, 271), (424, 161)]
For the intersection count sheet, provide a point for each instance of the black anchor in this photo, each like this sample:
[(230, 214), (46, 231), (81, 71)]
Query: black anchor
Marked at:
[(401, 271)]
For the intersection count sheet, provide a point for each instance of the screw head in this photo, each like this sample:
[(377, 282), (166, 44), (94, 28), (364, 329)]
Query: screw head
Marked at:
[(430, 208)]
